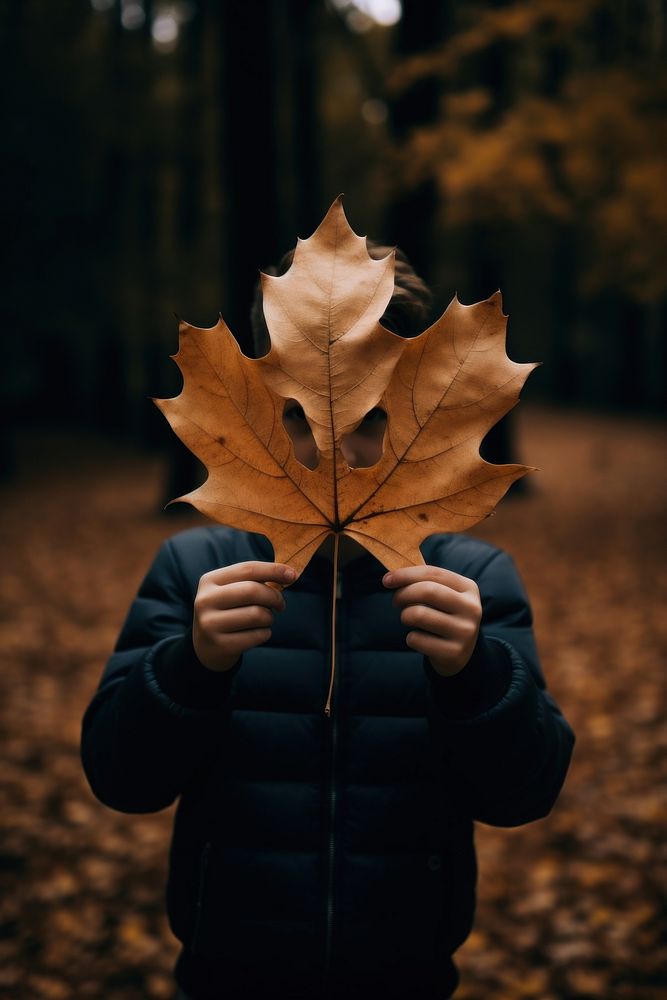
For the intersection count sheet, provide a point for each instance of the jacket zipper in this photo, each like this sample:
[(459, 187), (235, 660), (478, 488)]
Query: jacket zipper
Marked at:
[(199, 911), (332, 804)]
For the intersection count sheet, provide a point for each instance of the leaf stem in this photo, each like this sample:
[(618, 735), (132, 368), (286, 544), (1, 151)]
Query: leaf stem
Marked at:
[(334, 589)]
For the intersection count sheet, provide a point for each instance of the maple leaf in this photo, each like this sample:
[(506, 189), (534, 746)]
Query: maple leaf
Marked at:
[(442, 391)]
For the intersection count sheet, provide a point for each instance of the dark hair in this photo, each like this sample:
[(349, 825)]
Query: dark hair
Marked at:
[(407, 313)]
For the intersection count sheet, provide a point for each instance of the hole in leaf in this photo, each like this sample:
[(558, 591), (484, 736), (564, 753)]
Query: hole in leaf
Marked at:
[(298, 428), (364, 446)]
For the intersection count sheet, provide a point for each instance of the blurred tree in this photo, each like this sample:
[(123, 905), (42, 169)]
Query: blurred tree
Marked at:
[(269, 156), (412, 211)]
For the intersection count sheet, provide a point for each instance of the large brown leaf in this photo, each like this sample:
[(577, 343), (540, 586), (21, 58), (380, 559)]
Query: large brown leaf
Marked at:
[(442, 391)]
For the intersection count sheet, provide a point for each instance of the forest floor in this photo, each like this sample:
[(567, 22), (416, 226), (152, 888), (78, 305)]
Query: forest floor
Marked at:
[(573, 907)]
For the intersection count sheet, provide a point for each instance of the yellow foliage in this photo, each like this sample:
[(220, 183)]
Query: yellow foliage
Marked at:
[(467, 103), (592, 155), (489, 27)]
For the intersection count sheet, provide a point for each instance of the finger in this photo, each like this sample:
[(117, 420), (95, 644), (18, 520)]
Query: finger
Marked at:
[(236, 643), (418, 616), (414, 574), (243, 594), (432, 646), (451, 628), (435, 595), (236, 620), (262, 572)]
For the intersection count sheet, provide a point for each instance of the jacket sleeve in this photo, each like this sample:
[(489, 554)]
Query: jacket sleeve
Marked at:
[(158, 712), (505, 739)]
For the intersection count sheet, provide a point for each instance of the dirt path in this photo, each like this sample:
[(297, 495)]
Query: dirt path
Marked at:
[(571, 907)]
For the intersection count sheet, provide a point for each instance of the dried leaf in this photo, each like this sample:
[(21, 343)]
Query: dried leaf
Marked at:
[(442, 391)]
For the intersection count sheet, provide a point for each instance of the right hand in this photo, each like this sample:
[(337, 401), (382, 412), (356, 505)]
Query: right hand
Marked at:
[(234, 609)]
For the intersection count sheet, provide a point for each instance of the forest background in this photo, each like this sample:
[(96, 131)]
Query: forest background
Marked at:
[(155, 155)]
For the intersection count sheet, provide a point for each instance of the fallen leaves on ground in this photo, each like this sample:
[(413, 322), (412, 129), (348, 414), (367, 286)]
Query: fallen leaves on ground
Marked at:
[(570, 908)]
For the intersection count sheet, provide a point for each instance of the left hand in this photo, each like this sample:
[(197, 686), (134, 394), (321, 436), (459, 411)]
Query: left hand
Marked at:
[(444, 611)]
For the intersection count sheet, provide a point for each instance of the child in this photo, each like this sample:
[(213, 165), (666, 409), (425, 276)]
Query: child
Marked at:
[(321, 855)]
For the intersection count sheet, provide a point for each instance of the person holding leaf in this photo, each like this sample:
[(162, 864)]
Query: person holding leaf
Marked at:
[(335, 682)]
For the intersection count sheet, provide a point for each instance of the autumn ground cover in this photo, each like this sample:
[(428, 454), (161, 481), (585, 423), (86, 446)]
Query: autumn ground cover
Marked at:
[(571, 907)]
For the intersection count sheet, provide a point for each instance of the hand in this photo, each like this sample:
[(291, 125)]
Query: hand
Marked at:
[(444, 610), (234, 610)]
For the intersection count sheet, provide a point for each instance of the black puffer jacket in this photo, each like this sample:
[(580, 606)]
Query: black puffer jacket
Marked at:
[(317, 856)]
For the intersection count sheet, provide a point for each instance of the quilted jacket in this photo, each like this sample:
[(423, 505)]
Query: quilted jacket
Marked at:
[(315, 855)]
